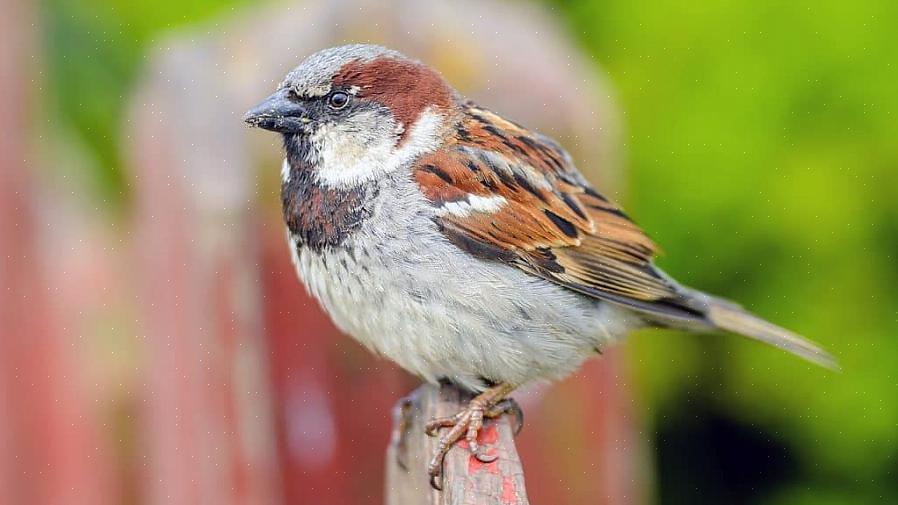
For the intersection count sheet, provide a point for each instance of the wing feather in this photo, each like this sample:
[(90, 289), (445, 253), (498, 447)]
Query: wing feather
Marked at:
[(543, 216), (506, 194)]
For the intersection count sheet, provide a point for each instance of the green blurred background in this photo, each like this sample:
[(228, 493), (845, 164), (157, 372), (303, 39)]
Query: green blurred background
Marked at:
[(761, 144)]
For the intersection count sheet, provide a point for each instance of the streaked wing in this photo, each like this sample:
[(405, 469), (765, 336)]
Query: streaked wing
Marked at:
[(507, 194)]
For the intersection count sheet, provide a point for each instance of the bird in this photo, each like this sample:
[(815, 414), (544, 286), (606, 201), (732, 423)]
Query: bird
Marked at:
[(460, 244)]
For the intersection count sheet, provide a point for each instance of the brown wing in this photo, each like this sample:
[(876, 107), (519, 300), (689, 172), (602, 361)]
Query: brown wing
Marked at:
[(507, 194)]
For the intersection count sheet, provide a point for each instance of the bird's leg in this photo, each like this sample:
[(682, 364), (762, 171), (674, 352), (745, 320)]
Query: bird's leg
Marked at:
[(467, 423)]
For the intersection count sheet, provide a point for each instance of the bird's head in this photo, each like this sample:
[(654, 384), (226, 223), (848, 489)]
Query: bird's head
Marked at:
[(352, 112)]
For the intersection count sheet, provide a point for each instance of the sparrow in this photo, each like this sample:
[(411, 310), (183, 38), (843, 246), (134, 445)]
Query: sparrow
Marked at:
[(459, 244)]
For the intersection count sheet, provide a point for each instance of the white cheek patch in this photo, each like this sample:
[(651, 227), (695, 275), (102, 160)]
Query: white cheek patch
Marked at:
[(472, 204), (364, 149)]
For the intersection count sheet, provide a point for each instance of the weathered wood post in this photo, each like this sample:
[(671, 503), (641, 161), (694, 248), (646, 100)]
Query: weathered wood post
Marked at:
[(466, 481)]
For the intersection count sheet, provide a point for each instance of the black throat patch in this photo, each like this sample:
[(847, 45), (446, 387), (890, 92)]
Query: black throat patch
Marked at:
[(317, 215)]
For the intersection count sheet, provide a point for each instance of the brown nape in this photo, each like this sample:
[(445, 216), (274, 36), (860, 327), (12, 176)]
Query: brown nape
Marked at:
[(405, 87)]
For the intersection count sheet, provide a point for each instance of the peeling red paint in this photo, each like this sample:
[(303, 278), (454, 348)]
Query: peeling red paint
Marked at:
[(509, 492), (487, 438)]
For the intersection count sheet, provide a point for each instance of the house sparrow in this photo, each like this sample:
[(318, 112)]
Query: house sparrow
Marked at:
[(459, 244)]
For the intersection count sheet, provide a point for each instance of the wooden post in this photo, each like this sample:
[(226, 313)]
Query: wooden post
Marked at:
[(465, 479)]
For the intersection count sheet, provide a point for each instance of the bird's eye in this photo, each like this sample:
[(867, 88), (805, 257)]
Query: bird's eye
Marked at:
[(337, 100)]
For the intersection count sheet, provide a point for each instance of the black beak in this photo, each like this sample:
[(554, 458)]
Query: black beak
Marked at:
[(278, 113)]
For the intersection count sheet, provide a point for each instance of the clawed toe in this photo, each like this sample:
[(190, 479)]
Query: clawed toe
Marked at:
[(432, 428), (485, 458), (467, 424), (436, 480), (458, 426)]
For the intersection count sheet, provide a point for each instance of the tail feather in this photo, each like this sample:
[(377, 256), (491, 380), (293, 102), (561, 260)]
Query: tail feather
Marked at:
[(694, 310), (731, 317)]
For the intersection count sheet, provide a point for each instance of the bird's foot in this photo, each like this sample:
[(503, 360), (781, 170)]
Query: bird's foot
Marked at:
[(467, 423)]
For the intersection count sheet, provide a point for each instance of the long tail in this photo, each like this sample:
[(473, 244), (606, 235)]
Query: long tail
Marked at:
[(695, 310), (731, 317)]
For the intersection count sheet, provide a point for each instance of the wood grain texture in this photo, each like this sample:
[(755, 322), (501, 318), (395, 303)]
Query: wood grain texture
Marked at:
[(466, 481)]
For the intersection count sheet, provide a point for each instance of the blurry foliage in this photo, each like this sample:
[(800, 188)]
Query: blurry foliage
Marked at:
[(763, 156), (94, 51)]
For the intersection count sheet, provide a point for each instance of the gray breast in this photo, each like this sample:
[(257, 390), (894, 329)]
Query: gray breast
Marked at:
[(400, 288)]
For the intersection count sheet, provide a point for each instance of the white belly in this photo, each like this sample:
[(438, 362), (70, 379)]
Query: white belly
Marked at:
[(438, 312)]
